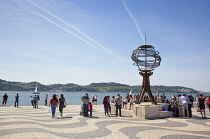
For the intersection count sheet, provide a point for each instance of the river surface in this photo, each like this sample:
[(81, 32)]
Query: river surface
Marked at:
[(72, 98)]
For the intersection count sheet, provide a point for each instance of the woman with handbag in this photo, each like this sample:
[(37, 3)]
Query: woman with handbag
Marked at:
[(61, 104)]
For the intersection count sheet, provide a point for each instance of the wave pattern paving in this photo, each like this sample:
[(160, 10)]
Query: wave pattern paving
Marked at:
[(27, 123)]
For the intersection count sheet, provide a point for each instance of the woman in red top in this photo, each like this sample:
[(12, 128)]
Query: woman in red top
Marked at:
[(208, 102), (105, 102), (54, 104)]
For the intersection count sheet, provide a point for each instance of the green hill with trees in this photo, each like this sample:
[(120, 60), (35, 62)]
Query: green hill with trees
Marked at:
[(93, 87)]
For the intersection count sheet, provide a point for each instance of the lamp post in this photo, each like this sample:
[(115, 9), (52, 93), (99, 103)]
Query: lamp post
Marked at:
[(147, 59)]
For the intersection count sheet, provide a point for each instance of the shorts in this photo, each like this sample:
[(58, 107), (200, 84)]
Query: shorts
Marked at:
[(185, 106), (202, 107)]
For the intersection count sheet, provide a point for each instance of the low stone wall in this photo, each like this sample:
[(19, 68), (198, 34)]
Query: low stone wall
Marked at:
[(145, 110)]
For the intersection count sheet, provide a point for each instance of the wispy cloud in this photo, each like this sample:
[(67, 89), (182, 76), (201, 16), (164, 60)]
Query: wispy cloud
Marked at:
[(96, 44), (29, 56), (134, 20)]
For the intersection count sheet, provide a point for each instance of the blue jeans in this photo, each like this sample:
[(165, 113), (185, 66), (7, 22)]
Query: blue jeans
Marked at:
[(106, 110), (174, 114), (53, 108), (16, 102), (32, 102), (91, 112)]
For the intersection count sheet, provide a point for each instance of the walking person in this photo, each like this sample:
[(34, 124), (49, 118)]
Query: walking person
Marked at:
[(105, 102), (32, 100), (61, 104), (35, 101), (53, 104), (201, 101), (85, 101), (118, 104), (5, 97), (46, 98), (16, 100)]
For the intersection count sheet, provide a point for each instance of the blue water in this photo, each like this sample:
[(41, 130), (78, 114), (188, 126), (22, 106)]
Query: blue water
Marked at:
[(72, 98)]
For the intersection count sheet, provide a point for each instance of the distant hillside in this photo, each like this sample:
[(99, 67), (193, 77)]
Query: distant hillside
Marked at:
[(93, 87)]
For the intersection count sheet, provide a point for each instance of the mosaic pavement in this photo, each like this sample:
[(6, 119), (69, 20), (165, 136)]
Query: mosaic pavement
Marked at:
[(27, 123)]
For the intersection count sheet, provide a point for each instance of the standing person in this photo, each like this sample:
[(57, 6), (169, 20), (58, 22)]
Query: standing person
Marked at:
[(125, 101), (118, 104), (174, 105), (85, 101), (184, 101), (61, 104), (197, 96), (190, 105), (46, 98), (131, 102), (105, 102), (5, 97), (208, 102), (112, 100), (32, 100), (90, 106), (95, 97), (202, 106), (109, 106), (16, 100), (37, 101), (53, 104)]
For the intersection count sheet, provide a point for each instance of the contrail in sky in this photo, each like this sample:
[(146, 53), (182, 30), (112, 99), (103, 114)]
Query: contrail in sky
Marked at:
[(68, 31), (58, 18), (134, 20)]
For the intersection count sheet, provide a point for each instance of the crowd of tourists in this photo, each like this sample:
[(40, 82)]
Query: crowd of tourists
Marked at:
[(184, 102)]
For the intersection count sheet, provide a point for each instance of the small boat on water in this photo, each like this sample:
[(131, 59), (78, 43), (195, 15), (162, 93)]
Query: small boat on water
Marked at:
[(36, 91), (130, 92)]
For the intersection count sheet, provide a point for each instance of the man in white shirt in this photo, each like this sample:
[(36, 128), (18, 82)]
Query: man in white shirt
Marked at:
[(184, 101)]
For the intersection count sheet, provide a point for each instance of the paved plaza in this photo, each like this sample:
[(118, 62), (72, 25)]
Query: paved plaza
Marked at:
[(25, 122)]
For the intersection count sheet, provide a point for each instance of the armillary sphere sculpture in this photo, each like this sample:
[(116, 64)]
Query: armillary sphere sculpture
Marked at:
[(147, 59)]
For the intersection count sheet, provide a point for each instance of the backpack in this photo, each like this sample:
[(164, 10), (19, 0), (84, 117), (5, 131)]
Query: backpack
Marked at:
[(191, 98), (54, 103)]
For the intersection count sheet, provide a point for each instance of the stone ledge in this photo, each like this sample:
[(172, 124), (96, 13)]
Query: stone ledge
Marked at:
[(165, 114)]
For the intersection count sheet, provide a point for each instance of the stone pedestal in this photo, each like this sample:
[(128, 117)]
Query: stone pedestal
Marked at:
[(145, 111)]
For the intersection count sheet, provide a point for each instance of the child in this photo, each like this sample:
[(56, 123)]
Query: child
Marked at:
[(90, 108), (173, 104)]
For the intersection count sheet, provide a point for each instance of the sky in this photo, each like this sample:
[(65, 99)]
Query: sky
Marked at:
[(91, 41)]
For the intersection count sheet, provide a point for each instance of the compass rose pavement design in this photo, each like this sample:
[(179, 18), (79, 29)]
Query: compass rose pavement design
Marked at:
[(26, 123)]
